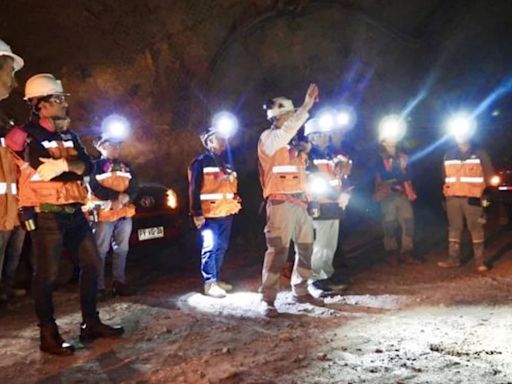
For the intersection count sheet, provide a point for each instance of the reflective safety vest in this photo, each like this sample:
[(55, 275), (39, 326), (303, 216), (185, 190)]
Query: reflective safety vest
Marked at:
[(8, 189), (33, 191), (283, 172), (464, 178), (119, 182), (218, 192)]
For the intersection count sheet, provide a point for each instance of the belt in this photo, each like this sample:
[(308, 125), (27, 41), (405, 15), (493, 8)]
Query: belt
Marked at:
[(67, 209)]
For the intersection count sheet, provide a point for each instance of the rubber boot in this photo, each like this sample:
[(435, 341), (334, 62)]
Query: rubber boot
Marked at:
[(478, 254), (52, 342), (453, 260)]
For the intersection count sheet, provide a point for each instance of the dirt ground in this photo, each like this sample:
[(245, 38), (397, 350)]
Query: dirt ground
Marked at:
[(396, 324)]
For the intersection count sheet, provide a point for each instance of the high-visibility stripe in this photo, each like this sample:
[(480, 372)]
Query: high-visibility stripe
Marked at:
[(106, 175), (54, 144), (217, 196), (468, 161), (472, 161), (464, 179), (211, 169), (285, 169), (472, 179), (505, 188), (2, 142), (4, 186), (322, 161), (49, 144)]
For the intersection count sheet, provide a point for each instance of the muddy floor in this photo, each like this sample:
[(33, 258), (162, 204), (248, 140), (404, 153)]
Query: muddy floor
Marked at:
[(396, 324)]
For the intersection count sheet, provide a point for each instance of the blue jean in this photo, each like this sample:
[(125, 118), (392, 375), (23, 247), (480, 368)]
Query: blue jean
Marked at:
[(215, 241), (12, 249), (115, 233)]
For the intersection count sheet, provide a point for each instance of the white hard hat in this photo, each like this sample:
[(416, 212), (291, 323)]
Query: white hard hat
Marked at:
[(314, 126), (42, 85), (278, 106), (5, 50)]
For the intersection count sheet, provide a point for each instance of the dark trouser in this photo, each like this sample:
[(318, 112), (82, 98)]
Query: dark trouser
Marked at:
[(215, 233), (397, 208), (12, 255), (459, 209), (54, 231)]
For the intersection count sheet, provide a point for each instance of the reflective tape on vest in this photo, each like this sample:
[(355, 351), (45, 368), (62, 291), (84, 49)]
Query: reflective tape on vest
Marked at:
[(285, 169), (322, 161), (54, 144), (211, 170), (465, 179), (450, 180), (106, 175), (217, 196), (459, 162), (2, 142), (4, 186)]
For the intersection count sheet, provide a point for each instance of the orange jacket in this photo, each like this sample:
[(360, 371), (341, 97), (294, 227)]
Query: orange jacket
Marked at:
[(40, 140), (109, 179), (8, 189), (283, 172), (465, 175), (213, 187)]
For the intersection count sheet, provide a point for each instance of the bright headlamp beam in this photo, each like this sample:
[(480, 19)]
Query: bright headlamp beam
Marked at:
[(318, 186), (225, 124), (461, 126), (116, 126), (392, 127), (343, 119), (326, 121)]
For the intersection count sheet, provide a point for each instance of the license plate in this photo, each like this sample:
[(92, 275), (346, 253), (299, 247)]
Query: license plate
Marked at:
[(150, 233)]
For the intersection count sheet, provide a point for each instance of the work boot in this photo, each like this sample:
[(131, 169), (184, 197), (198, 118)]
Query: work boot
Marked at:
[(225, 286), (270, 310), (121, 289), (212, 289), (307, 299), (52, 342), (453, 260), (478, 254), (95, 329), (408, 258)]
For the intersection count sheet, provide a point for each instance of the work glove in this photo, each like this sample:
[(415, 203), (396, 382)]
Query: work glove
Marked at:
[(199, 221), (51, 168), (343, 200)]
